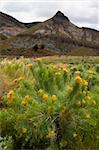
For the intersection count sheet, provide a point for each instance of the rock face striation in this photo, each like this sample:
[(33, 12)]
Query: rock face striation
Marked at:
[(58, 34), (9, 26)]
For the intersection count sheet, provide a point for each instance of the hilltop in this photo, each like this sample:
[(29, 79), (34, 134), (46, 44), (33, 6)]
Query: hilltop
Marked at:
[(55, 35)]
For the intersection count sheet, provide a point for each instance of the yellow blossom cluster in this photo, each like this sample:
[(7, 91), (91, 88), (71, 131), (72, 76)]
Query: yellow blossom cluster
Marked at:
[(87, 116), (49, 109), (24, 130), (40, 92), (21, 78), (25, 100), (29, 66), (53, 98), (90, 101), (10, 96), (81, 103), (78, 80), (84, 83), (18, 79), (65, 70), (43, 95), (51, 135), (58, 73)]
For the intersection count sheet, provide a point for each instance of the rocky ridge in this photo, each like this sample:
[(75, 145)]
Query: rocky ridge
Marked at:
[(58, 34)]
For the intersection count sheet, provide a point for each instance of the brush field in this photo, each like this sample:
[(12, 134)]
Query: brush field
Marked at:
[(49, 103)]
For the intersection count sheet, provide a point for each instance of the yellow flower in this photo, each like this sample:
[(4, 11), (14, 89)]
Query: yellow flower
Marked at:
[(24, 103), (54, 98), (90, 71), (65, 70), (93, 102), (27, 97), (87, 116), (57, 73), (54, 66), (83, 102), (45, 97), (21, 78), (29, 66), (75, 135), (10, 96), (25, 100), (40, 92), (51, 135), (84, 93), (49, 109), (78, 80), (24, 130), (85, 83), (88, 98)]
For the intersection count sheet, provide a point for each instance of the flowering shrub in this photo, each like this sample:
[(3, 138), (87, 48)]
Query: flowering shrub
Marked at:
[(49, 105)]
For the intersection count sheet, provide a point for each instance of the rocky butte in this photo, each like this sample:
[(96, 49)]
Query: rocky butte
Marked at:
[(55, 35)]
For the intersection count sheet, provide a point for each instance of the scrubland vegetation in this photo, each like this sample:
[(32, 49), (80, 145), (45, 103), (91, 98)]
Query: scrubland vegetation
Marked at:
[(49, 103)]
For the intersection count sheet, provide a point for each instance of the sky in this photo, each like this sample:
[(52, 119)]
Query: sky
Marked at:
[(80, 12)]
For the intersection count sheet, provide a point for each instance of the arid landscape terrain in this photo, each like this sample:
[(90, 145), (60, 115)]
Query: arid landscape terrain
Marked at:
[(49, 76)]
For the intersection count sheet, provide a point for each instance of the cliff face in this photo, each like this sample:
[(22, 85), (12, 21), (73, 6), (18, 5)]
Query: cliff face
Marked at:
[(58, 34), (9, 26)]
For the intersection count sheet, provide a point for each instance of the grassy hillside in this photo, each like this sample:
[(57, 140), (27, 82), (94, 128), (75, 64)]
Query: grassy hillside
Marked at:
[(83, 51)]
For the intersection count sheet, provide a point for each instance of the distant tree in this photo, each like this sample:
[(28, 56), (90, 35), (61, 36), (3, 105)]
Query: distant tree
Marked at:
[(35, 47), (42, 46)]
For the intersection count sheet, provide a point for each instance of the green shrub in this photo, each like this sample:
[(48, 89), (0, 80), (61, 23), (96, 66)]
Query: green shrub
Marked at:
[(49, 106)]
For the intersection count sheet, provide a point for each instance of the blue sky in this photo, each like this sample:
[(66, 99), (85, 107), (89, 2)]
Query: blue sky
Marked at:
[(80, 12)]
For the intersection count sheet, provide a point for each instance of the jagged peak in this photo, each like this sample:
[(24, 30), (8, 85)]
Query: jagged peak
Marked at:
[(60, 15)]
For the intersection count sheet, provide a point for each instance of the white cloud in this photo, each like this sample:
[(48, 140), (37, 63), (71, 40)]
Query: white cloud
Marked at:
[(80, 12)]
